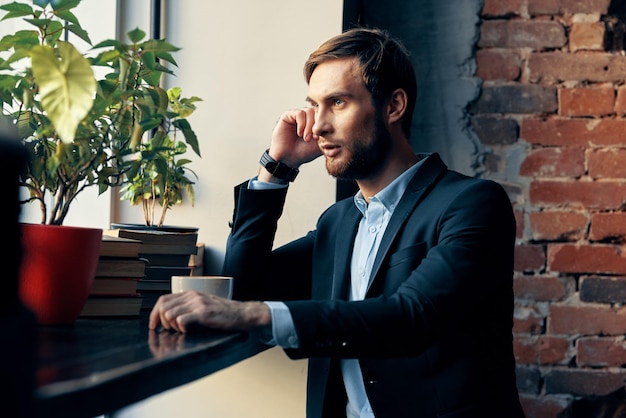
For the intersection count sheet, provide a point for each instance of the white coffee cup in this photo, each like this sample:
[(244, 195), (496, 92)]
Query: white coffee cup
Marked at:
[(221, 286)]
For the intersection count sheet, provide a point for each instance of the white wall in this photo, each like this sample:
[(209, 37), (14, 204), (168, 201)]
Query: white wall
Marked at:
[(244, 58)]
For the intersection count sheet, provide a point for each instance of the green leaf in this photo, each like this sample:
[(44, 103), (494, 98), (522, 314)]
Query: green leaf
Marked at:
[(22, 53), (40, 23), (67, 15), (190, 135), (136, 35), (80, 32), (174, 93), (59, 5), (149, 60), (21, 39), (158, 45), (53, 32), (108, 43), (16, 9), (151, 77), (163, 69), (41, 3), (67, 87), (148, 124), (166, 57)]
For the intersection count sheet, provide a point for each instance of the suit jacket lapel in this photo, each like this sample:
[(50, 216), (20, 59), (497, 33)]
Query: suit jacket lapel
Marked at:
[(343, 252), (419, 185)]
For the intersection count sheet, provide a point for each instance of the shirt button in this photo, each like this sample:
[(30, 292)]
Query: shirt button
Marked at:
[(372, 229), (291, 339)]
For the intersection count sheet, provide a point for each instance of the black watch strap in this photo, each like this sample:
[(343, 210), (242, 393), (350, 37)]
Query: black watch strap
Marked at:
[(278, 169)]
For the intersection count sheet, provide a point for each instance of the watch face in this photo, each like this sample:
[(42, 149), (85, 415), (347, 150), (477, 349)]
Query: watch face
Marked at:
[(271, 166)]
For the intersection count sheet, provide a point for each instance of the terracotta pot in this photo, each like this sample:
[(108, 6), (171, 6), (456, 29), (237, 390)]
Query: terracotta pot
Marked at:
[(57, 271)]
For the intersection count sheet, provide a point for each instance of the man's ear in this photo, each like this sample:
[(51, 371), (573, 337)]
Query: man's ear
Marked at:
[(397, 106)]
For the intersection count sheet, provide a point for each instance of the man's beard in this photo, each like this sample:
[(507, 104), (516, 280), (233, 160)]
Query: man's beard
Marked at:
[(366, 156)]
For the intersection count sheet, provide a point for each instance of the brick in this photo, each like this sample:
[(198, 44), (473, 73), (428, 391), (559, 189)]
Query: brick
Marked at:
[(554, 162), (513, 190), (528, 379), (502, 7), (516, 99), (495, 131), (583, 382), (529, 257), (585, 6), (600, 352), (492, 163), (603, 289), (498, 65), (558, 225), (558, 66), (578, 194), (535, 34), (595, 258), (541, 349), (586, 319), (607, 163), (620, 101), (543, 406), (574, 132), (607, 226), (587, 36), (588, 101), (544, 7), (538, 288), (528, 320)]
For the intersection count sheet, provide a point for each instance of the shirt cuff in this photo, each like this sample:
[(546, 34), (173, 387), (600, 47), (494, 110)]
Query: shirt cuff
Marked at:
[(283, 331), (255, 184)]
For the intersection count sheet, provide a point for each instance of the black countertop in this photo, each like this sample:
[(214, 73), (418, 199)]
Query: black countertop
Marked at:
[(98, 366)]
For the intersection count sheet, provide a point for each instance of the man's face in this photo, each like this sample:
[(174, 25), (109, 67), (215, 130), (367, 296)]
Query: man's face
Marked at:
[(352, 133)]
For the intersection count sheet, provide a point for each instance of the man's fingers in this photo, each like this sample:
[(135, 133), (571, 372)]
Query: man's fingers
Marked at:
[(164, 312), (305, 119)]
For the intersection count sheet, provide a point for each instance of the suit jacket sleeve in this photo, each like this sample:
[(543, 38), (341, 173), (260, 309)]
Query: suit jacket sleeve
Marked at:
[(259, 272)]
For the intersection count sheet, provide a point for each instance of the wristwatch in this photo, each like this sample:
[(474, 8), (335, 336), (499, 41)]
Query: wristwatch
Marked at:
[(278, 169)]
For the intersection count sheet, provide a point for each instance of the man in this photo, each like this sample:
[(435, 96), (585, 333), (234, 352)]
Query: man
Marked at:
[(402, 296)]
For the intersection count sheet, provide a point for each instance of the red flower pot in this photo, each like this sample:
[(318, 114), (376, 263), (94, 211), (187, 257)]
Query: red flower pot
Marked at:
[(57, 271)]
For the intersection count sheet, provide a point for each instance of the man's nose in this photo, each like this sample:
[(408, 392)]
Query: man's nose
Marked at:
[(322, 124)]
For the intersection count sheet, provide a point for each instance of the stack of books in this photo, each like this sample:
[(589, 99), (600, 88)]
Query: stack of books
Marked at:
[(168, 254), (120, 268)]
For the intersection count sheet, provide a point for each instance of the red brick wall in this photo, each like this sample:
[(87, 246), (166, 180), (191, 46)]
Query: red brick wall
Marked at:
[(552, 115)]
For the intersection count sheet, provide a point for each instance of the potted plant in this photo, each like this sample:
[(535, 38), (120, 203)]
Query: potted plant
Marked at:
[(157, 170), (76, 129)]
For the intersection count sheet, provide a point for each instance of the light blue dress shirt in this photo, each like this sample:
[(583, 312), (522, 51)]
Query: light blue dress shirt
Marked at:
[(372, 226)]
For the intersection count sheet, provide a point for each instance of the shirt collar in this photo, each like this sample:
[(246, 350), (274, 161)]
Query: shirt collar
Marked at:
[(391, 194)]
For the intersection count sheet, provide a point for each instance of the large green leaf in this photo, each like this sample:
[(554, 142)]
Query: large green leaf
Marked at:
[(66, 87)]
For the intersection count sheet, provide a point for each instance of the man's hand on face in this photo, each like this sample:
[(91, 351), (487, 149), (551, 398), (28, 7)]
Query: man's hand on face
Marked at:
[(186, 311), (293, 140)]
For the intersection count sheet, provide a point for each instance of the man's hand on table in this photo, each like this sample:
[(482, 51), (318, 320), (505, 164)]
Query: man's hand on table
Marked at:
[(185, 311)]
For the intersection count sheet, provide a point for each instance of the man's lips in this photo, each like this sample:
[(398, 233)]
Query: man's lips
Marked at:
[(330, 150)]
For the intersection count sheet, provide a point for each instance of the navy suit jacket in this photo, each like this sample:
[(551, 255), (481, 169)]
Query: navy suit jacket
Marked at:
[(433, 335)]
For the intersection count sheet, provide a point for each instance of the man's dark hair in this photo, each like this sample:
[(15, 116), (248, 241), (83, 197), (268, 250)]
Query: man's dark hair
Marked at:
[(385, 65)]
